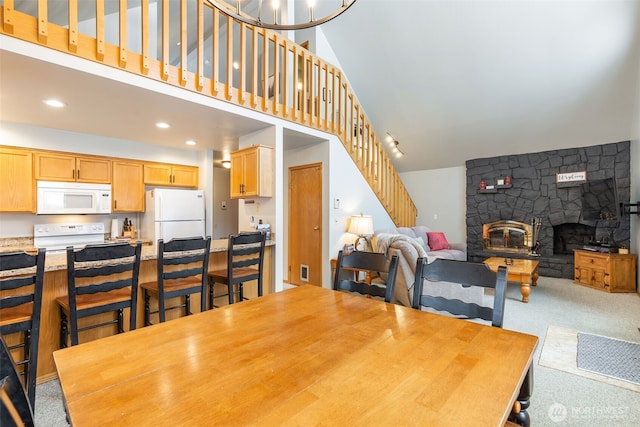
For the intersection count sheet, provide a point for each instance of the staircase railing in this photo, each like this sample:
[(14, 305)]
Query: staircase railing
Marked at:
[(191, 45)]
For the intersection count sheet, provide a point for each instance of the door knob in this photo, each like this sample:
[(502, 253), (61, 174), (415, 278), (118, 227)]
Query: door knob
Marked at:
[(316, 228)]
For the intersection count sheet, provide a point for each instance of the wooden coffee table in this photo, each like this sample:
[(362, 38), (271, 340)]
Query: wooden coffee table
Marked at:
[(524, 271)]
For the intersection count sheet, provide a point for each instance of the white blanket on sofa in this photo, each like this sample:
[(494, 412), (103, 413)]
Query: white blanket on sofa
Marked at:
[(408, 251)]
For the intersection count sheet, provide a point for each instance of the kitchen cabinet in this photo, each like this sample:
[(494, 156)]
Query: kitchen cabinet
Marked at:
[(252, 172), (127, 186), (605, 271), (17, 187), (72, 168), (170, 175)]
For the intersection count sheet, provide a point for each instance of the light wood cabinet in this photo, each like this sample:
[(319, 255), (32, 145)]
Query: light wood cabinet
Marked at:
[(68, 167), (252, 172), (170, 175), (604, 271), (127, 186), (17, 187)]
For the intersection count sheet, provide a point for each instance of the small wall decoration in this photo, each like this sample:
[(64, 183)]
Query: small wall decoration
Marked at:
[(571, 177)]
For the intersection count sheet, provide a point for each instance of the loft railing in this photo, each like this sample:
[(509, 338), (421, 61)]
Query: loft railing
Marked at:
[(189, 44)]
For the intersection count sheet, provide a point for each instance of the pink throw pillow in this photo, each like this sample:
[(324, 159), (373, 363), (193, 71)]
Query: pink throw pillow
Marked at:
[(437, 241)]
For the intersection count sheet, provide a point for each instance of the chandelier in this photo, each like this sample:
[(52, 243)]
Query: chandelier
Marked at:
[(242, 16)]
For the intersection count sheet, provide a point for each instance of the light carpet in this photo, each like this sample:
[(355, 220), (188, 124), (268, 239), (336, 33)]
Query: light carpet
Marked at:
[(560, 350)]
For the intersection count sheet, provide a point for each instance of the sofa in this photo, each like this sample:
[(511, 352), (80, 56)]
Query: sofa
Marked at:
[(411, 243)]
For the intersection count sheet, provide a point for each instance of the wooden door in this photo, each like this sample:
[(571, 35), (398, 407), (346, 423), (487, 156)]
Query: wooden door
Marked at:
[(305, 224), (127, 187), (157, 174), (55, 167), (91, 169), (237, 175), (251, 173), (17, 192), (185, 176)]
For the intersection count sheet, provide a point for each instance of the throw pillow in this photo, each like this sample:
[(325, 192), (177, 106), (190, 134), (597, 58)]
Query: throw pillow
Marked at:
[(437, 240)]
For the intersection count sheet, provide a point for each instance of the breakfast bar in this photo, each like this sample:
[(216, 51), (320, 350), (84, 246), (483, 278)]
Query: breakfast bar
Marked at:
[(55, 284)]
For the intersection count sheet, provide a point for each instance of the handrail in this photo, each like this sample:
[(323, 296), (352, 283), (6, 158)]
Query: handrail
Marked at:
[(211, 54)]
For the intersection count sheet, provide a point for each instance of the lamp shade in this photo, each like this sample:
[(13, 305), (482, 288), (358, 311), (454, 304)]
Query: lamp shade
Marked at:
[(362, 225)]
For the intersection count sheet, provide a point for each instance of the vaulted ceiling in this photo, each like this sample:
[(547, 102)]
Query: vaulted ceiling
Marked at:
[(452, 80)]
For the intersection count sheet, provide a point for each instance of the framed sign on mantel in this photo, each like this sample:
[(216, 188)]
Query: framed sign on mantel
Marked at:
[(570, 177)]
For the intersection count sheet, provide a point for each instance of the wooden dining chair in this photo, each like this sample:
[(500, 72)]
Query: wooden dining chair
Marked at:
[(467, 274), (349, 266), (245, 260), (15, 407), (20, 310), (471, 274), (182, 266), (101, 279)]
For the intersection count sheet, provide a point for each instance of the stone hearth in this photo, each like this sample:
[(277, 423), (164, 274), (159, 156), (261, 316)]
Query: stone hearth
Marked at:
[(533, 192)]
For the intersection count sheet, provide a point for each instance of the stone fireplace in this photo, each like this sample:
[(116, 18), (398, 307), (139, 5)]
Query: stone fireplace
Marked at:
[(534, 192)]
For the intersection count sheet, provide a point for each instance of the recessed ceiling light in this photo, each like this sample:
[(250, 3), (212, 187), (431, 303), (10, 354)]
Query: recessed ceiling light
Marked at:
[(54, 103), (236, 65), (163, 125), (226, 164), (190, 142)]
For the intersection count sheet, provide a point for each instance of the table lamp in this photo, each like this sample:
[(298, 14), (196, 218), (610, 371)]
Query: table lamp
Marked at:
[(362, 225)]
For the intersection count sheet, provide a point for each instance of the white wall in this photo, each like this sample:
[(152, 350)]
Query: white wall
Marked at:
[(440, 197)]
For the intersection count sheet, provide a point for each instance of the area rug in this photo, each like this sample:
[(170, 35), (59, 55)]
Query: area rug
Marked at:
[(611, 357), (560, 351)]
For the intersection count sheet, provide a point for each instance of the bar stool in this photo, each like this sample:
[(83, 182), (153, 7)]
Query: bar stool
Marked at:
[(100, 279), (245, 258), (21, 307), (182, 271)]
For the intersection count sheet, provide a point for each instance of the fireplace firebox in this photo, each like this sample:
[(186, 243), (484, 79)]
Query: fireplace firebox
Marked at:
[(508, 236), (570, 236)]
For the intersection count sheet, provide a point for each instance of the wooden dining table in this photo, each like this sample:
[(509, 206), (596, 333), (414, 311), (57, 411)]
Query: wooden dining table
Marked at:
[(303, 356)]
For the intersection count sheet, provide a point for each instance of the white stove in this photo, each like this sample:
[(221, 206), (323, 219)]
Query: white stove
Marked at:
[(56, 237)]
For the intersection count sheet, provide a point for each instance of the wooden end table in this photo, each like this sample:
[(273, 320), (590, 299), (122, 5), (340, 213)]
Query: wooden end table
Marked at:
[(524, 271)]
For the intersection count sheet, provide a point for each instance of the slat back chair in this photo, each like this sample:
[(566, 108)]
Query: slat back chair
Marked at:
[(471, 274), (182, 266), (101, 279), (245, 261), (15, 408), (466, 274), (349, 265), (20, 310)]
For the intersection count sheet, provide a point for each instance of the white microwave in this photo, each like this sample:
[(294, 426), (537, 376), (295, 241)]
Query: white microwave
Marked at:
[(73, 198)]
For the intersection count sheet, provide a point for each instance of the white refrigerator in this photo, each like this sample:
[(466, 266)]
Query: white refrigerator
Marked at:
[(172, 213)]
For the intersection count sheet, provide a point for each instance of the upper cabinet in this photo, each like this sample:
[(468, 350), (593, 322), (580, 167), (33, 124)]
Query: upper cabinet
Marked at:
[(68, 167), (17, 193), (127, 186), (170, 175), (252, 172)]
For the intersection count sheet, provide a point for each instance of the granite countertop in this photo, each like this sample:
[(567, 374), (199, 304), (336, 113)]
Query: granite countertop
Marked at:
[(57, 260)]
